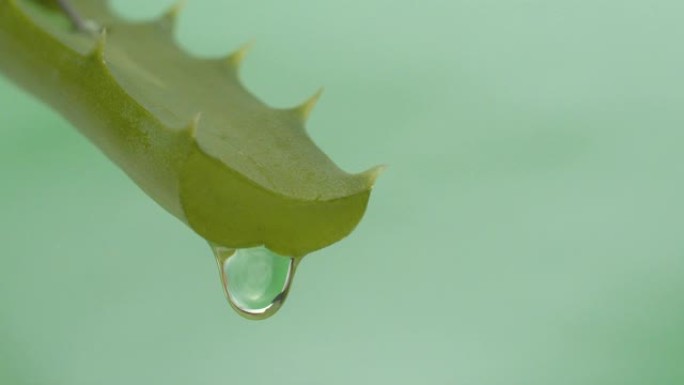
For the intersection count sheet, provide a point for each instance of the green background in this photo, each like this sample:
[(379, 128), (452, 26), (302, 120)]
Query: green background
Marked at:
[(528, 231)]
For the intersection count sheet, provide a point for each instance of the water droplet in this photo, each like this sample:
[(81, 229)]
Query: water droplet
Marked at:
[(256, 280)]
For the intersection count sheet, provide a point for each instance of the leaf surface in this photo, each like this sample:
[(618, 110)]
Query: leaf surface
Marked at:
[(239, 172)]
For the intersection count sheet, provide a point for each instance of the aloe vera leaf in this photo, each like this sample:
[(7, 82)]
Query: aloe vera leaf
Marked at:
[(238, 172)]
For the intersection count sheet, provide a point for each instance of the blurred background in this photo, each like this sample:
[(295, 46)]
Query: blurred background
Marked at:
[(528, 231)]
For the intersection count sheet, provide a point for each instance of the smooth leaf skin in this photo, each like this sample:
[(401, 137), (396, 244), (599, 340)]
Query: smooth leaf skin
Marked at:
[(237, 171)]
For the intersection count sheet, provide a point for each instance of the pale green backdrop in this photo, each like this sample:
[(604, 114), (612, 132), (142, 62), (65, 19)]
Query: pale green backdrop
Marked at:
[(528, 231)]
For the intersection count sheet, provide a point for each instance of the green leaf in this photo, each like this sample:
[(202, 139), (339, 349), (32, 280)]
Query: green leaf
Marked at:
[(238, 172)]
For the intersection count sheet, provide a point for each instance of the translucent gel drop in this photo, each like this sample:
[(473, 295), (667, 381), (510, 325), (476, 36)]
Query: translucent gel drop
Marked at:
[(256, 281)]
